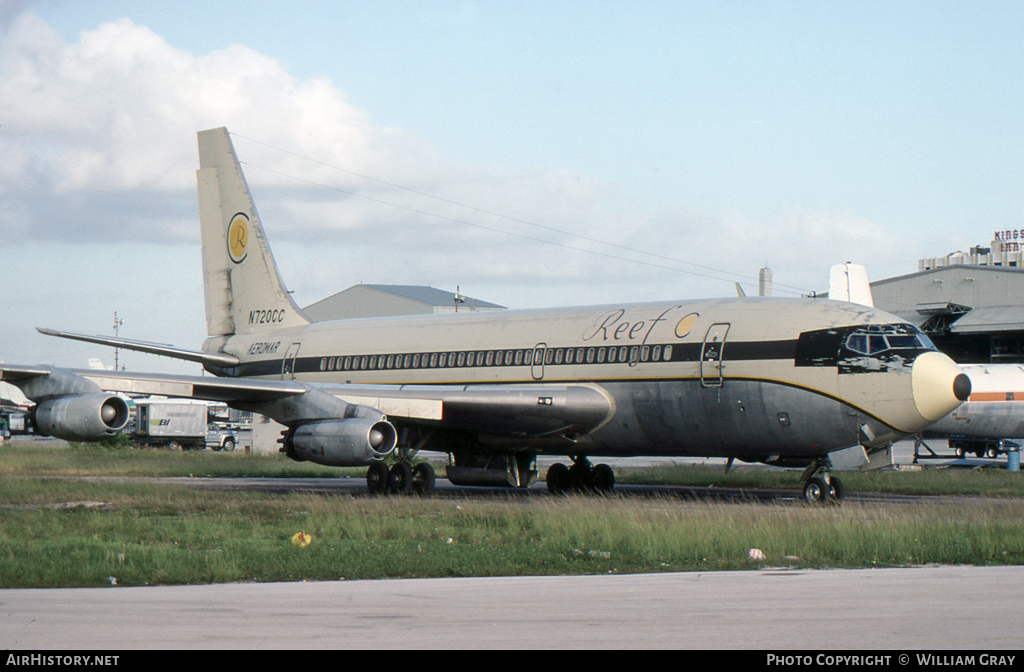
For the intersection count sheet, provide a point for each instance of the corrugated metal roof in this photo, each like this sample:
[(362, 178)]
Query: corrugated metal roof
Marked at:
[(430, 295), (951, 268), (990, 319)]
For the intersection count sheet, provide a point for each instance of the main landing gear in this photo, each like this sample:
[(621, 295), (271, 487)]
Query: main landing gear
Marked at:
[(403, 478), (820, 487), (580, 477)]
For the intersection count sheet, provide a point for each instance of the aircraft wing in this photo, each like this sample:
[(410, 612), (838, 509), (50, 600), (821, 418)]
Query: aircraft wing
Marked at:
[(495, 409), (508, 410), (195, 387)]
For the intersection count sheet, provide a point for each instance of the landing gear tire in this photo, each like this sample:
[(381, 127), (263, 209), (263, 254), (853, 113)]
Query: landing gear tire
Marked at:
[(991, 453), (816, 491), (602, 478), (377, 478), (423, 479), (960, 452), (836, 490), (579, 476), (558, 478), (400, 479)]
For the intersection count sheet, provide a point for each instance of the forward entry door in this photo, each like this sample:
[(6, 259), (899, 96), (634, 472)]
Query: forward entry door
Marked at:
[(711, 355)]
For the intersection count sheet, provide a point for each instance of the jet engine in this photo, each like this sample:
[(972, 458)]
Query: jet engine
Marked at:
[(82, 417), (348, 442)]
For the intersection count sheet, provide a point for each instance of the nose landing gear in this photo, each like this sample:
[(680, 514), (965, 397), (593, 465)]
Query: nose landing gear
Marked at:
[(820, 487)]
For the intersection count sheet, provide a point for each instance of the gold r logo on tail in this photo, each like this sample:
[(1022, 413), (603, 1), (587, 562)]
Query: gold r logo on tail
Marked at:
[(238, 237)]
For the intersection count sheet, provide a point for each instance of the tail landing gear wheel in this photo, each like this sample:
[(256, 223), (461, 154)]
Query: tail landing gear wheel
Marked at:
[(377, 478), (816, 491), (400, 479), (423, 479), (558, 478)]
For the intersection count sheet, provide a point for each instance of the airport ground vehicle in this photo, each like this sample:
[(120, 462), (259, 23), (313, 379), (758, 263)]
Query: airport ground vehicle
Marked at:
[(981, 447), (174, 423), (219, 437)]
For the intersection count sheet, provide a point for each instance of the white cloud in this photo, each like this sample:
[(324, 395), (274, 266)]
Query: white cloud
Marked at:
[(97, 145)]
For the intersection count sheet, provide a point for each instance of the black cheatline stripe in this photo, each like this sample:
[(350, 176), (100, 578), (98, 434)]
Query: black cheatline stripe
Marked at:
[(681, 352)]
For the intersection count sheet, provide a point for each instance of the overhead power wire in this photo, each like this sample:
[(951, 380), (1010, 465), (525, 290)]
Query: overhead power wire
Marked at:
[(478, 226), (751, 279)]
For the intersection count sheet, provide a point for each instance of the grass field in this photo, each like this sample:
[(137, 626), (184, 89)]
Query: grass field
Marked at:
[(982, 482), (60, 530)]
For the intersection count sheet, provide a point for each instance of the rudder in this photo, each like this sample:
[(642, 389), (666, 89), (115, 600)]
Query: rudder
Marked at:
[(243, 288)]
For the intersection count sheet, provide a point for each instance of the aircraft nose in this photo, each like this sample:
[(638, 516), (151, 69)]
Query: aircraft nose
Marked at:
[(939, 385)]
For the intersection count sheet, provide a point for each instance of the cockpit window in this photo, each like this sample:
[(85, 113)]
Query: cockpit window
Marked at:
[(903, 341), (844, 346), (876, 343), (873, 343)]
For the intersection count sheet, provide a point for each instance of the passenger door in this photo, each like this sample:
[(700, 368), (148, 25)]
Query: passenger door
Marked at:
[(288, 366), (711, 355), (538, 360)]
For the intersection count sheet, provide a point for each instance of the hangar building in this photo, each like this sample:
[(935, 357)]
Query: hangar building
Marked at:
[(390, 300), (971, 304)]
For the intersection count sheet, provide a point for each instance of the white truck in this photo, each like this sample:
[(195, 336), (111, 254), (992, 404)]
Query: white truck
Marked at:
[(179, 424)]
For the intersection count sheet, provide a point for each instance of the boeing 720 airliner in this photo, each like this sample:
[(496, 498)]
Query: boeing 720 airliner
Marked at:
[(780, 381)]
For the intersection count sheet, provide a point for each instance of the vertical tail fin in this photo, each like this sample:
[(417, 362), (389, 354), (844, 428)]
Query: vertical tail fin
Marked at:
[(849, 282), (244, 290)]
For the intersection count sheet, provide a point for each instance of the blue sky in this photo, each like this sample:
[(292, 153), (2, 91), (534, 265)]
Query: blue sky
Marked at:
[(726, 134), (749, 105)]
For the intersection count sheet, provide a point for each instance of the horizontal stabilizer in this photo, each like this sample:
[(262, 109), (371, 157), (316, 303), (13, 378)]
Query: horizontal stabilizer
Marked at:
[(215, 359)]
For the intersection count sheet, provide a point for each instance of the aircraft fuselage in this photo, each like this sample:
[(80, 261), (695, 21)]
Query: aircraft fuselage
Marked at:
[(751, 378)]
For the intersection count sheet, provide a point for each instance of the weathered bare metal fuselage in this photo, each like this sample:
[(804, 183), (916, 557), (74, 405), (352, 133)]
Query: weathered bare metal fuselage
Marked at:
[(751, 378)]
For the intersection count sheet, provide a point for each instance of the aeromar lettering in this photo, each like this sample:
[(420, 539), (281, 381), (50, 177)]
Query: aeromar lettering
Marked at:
[(264, 348)]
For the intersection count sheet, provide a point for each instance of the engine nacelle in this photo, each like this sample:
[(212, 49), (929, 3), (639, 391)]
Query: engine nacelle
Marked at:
[(82, 417), (349, 442)]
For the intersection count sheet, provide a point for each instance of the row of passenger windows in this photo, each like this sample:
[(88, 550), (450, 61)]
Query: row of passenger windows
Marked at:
[(444, 360)]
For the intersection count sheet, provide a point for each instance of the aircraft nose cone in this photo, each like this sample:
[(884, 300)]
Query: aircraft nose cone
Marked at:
[(939, 385)]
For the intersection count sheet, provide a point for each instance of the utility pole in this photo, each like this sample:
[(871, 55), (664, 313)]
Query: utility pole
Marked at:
[(458, 299), (117, 326)]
